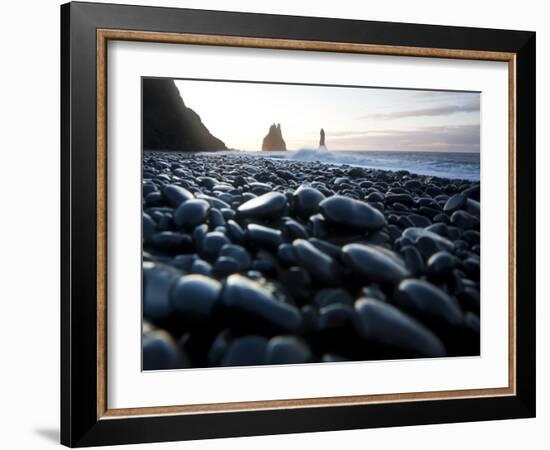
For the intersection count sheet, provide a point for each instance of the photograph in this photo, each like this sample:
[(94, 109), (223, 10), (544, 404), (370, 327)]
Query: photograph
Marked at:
[(271, 225), (300, 223)]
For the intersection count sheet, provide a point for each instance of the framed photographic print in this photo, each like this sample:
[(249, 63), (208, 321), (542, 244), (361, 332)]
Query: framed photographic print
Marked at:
[(276, 224)]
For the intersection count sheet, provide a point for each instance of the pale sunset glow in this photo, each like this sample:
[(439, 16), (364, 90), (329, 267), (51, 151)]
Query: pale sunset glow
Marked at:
[(240, 114)]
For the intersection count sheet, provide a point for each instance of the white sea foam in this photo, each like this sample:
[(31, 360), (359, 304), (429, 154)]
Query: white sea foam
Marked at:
[(457, 165), (441, 164)]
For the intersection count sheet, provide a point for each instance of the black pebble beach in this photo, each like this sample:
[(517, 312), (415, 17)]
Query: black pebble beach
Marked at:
[(251, 261)]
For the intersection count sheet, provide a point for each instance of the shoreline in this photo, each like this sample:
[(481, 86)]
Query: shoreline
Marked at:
[(279, 261), (289, 154)]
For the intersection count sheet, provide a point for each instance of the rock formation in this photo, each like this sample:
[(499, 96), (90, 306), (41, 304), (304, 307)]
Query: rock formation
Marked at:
[(168, 124), (322, 145), (274, 139)]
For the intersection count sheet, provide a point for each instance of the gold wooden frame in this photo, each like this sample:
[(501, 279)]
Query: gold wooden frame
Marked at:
[(103, 36)]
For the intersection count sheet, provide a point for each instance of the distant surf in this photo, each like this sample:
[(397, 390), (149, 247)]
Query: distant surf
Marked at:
[(455, 165)]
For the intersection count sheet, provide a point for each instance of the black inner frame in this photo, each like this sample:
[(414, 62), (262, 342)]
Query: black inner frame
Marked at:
[(79, 423)]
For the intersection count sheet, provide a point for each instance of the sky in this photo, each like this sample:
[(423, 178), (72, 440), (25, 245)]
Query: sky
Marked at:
[(353, 118)]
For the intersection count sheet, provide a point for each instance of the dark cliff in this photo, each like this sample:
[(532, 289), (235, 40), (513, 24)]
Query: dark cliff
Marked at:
[(274, 139), (170, 125)]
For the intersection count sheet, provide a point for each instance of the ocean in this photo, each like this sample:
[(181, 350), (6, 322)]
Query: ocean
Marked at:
[(464, 166)]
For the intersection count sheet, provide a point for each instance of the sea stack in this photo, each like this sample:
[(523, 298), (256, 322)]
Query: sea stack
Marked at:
[(322, 145), (274, 142)]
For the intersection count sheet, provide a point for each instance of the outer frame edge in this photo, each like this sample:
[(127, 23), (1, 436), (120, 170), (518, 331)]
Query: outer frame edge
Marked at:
[(102, 432), (65, 390)]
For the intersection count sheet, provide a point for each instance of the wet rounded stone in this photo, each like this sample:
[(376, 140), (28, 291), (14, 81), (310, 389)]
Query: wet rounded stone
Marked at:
[(287, 350), (461, 245), (454, 203), (349, 213), (472, 192), (175, 195), (383, 323), (216, 218), (419, 221), (326, 247), (428, 212), (265, 263), (468, 298), (471, 236), (171, 242), (259, 188), (219, 347), (379, 238), (320, 265), (427, 303), (158, 280), (442, 218), (213, 242), (306, 201), (184, 262), (264, 237), (472, 267), (161, 353), (464, 220), (404, 199), (209, 182), (198, 234), (310, 318), (317, 226), (191, 213), (149, 227), (336, 315), (213, 201), (357, 172), (428, 202), (412, 184), (245, 351), (194, 297), (328, 296), (228, 213), (164, 222), (201, 267), (441, 265), (238, 253), (405, 222), (225, 265), (265, 206), (432, 241), (373, 264), (413, 260), (148, 188), (154, 199), (235, 232), (253, 300), (373, 292), (294, 230), (287, 254), (375, 197), (473, 207), (394, 231), (439, 228), (378, 205)]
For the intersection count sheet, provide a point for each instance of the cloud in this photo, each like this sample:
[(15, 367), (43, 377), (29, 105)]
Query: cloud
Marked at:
[(460, 138), (470, 106)]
